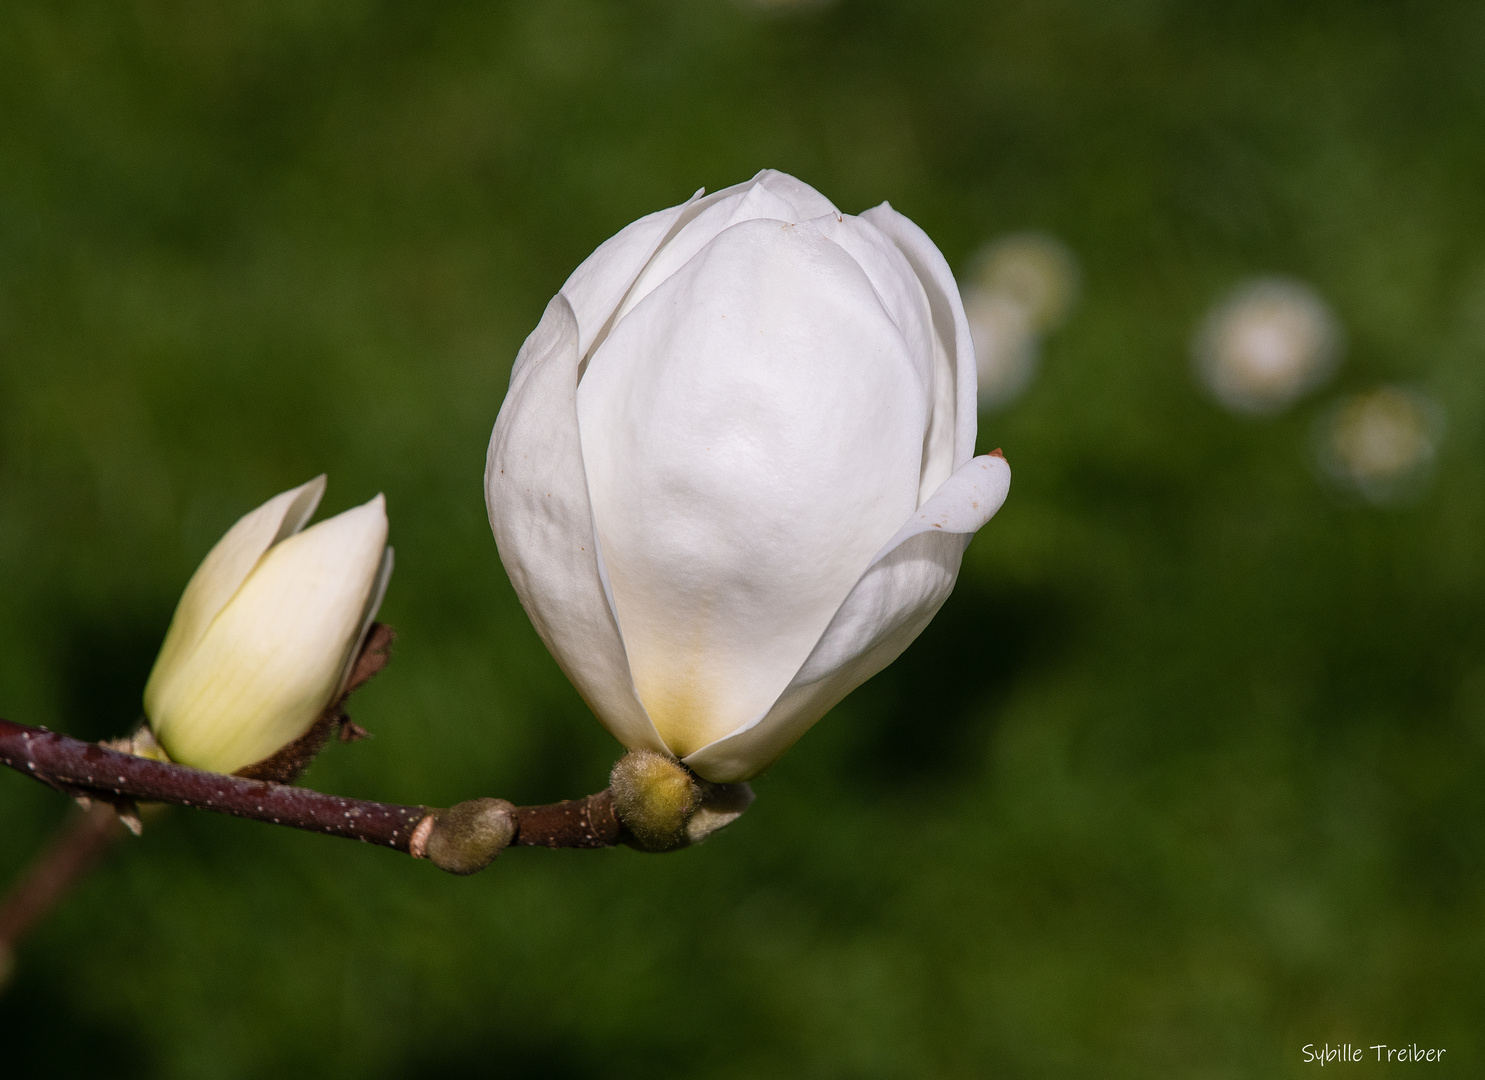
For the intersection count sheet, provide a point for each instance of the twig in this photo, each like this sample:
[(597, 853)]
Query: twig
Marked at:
[(83, 768), (462, 839)]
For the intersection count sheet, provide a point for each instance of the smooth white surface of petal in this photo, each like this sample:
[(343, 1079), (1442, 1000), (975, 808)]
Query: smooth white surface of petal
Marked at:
[(537, 495), (272, 658), (898, 596), (597, 287), (752, 433), (901, 293), (887, 609), (769, 195), (951, 440), (807, 202), (222, 573)]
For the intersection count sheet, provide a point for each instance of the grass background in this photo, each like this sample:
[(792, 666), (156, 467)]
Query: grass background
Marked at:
[(1185, 776)]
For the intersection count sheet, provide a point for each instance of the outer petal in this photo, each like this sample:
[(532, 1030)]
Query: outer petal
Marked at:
[(906, 585), (904, 298), (951, 439), (772, 195), (807, 202), (274, 656), (223, 571), (752, 432), (962, 504), (536, 491), (597, 287)]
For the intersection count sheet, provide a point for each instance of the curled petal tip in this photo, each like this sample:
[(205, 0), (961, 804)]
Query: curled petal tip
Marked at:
[(998, 452)]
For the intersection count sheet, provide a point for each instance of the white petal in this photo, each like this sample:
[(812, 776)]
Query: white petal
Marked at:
[(703, 222), (773, 195), (597, 287), (963, 503), (951, 441), (224, 570), (752, 432), (272, 658), (807, 202), (905, 300), (537, 495), (908, 582), (890, 273)]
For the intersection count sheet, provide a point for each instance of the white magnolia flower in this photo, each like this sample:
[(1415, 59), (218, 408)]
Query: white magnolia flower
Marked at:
[(733, 476), (267, 630)]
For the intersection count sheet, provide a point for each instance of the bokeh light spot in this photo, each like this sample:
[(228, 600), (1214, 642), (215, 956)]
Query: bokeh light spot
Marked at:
[(1019, 287), (1267, 345), (1380, 444)]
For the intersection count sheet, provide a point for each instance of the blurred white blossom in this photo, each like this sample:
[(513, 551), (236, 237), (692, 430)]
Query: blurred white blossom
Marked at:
[(1019, 288), (1266, 345), (1005, 345), (1382, 443)]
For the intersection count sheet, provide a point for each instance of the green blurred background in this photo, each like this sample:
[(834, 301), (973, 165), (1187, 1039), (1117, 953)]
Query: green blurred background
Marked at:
[(1185, 776)]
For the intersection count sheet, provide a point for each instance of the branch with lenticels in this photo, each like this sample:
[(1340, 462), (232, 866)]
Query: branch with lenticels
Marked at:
[(462, 839), (451, 838), (653, 803)]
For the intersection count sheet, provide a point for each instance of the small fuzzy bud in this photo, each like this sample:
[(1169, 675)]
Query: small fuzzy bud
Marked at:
[(467, 836), (654, 797)]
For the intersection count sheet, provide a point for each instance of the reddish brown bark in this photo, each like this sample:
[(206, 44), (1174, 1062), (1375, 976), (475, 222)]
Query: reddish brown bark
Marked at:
[(83, 768)]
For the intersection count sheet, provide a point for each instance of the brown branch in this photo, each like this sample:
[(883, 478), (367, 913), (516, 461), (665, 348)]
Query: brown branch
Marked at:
[(83, 768), (461, 839), (579, 823)]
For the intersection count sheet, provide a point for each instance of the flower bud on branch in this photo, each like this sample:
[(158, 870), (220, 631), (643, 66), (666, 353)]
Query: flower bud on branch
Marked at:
[(465, 838), (734, 474), (266, 638), (472, 829)]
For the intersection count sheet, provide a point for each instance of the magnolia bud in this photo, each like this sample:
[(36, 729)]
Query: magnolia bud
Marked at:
[(734, 474), (266, 633), (654, 797)]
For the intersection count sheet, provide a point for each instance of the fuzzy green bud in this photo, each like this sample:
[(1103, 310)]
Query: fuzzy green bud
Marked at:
[(654, 796), (465, 838)]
